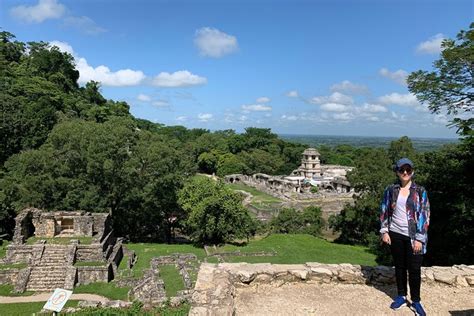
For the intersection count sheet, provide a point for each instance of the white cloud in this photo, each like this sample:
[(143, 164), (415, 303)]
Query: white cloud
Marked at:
[(349, 87), (335, 97), (292, 94), (205, 117), (399, 99), (213, 43), (289, 117), (346, 116), (373, 108), (256, 108), (181, 119), (334, 107), (431, 46), (243, 118), (373, 119), (182, 78), (102, 74), (120, 78), (263, 100), (84, 24), (45, 9), (143, 98), (399, 76), (160, 103), (63, 47), (440, 119)]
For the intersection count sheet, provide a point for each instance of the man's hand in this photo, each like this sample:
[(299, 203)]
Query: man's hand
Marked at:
[(417, 247), (386, 239)]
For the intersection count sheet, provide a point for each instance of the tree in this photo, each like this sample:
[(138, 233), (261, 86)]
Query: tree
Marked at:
[(402, 147), (291, 221), (449, 86), (215, 214)]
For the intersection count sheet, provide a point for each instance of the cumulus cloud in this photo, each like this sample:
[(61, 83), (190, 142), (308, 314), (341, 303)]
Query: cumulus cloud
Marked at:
[(63, 47), (334, 107), (373, 108), (256, 108), (440, 119), (205, 117), (213, 43), (83, 24), (102, 74), (263, 100), (45, 9), (292, 94), (120, 78), (346, 116), (289, 117), (181, 119), (182, 78), (349, 87), (143, 98), (335, 97), (399, 76), (431, 46), (399, 99)]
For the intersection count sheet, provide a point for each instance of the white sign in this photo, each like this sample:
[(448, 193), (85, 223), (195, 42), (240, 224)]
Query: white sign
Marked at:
[(57, 300)]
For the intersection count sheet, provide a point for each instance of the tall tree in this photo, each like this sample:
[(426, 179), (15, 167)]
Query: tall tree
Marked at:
[(450, 87)]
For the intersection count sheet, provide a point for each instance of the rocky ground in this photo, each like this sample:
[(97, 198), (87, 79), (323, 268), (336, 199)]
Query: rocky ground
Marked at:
[(346, 299)]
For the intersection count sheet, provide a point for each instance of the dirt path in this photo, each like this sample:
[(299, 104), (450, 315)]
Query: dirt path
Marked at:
[(43, 297), (331, 299)]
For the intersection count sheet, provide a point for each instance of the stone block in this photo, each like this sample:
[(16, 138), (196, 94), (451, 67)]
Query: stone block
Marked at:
[(445, 277)]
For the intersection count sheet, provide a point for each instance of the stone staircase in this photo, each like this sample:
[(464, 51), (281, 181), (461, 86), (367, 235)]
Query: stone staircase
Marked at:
[(50, 272)]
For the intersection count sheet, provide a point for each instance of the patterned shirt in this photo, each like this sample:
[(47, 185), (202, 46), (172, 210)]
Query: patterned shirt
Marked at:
[(418, 212)]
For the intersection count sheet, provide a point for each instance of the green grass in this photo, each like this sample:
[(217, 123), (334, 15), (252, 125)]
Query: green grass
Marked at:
[(60, 240), (258, 196), (90, 264), (292, 249), (6, 290), (5, 266), (146, 252), (23, 309), (172, 278), (109, 290), (3, 249)]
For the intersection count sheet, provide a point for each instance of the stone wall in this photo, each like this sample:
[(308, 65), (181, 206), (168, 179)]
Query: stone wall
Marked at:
[(23, 253), (9, 276), (215, 287), (83, 225), (89, 253), (86, 275)]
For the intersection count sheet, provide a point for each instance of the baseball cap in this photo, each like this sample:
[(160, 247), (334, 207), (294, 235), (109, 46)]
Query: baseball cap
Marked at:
[(404, 161)]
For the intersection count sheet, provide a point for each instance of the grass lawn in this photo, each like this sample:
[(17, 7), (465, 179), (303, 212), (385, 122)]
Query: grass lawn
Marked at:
[(292, 249), (3, 249), (23, 309), (258, 196), (109, 290), (146, 252), (13, 266), (60, 240), (172, 279), (6, 290)]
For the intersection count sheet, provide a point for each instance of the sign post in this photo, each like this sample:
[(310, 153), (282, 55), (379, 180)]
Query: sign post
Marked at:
[(56, 302)]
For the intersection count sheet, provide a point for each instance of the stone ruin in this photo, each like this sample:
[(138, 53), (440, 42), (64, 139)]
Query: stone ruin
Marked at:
[(327, 178), (217, 286), (51, 265)]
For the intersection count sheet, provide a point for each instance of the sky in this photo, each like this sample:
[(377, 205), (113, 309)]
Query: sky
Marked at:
[(298, 67)]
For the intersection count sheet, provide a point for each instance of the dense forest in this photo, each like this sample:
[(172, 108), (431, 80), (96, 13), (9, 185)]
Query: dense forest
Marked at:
[(66, 147)]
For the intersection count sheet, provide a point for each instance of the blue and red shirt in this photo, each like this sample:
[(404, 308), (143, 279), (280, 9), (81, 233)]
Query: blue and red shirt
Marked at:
[(417, 209)]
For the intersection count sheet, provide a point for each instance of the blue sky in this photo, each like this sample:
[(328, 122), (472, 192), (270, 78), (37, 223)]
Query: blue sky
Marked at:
[(297, 67)]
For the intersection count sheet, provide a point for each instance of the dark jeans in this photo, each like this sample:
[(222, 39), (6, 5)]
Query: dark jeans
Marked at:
[(404, 260)]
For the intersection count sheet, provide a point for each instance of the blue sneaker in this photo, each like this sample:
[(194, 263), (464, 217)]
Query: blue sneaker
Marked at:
[(398, 303), (418, 309)]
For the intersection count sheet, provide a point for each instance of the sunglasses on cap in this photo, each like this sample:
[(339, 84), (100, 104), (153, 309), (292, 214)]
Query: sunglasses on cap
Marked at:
[(404, 169)]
